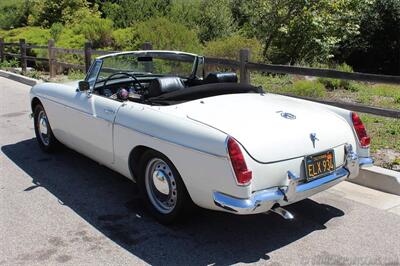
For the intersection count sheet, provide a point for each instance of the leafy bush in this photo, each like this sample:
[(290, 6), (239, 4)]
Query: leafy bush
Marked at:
[(306, 88), (186, 12), (125, 13), (56, 30), (124, 39), (271, 83), (9, 63), (34, 35), (13, 14), (216, 20), (70, 39), (229, 47), (164, 35), (335, 84), (96, 30), (74, 74), (47, 12)]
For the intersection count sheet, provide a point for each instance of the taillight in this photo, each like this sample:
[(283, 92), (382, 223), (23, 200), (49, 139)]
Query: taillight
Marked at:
[(359, 127), (243, 175)]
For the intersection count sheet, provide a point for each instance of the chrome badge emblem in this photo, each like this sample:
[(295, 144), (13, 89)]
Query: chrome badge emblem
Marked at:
[(313, 137), (287, 115)]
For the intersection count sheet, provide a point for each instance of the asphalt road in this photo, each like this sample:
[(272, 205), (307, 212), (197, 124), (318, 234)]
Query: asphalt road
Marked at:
[(67, 209)]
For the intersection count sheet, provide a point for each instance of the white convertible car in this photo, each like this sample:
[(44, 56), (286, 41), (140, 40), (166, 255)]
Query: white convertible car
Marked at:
[(186, 138)]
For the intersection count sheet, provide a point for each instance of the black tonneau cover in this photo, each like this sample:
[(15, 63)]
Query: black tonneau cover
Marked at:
[(203, 91)]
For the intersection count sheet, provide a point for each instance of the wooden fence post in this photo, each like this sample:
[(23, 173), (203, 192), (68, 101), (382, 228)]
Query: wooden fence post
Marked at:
[(22, 49), (1, 50), (52, 58), (244, 56), (88, 55), (147, 46)]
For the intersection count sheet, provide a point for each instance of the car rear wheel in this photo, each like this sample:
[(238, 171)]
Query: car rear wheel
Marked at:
[(162, 188), (44, 135)]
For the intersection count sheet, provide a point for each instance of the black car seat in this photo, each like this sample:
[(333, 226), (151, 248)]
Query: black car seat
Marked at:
[(162, 85)]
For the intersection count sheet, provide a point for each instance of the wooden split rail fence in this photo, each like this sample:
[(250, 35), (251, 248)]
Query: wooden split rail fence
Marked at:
[(244, 66)]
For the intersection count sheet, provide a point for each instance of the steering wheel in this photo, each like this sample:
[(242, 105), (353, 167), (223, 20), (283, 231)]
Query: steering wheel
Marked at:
[(124, 74)]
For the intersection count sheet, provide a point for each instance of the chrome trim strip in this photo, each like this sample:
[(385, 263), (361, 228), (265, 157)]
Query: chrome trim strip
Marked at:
[(263, 201)]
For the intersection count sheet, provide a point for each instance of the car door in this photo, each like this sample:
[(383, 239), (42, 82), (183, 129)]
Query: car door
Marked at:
[(90, 125)]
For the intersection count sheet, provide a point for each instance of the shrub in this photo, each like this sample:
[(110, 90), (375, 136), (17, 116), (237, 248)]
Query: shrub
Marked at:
[(13, 14), (216, 20), (125, 13), (9, 63), (271, 82), (46, 12), (34, 35), (69, 39), (96, 30), (164, 35), (229, 47), (56, 30), (335, 84), (74, 74), (124, 39), (306, 88)]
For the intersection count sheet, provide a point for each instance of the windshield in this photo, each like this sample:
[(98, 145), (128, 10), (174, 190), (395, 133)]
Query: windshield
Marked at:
[(145, 64)]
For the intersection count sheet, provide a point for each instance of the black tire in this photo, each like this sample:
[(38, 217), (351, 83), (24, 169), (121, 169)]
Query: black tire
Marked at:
[(183, 203), (47, 142)]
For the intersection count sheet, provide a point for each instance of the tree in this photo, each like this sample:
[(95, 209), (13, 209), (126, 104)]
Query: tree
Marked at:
[(294, 31), (46, 12), (14, 14), (126, 13), (377, 48), (216, 20)]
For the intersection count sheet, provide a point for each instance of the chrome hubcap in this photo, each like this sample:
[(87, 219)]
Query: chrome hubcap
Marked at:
[(43, 128), (161, 185)]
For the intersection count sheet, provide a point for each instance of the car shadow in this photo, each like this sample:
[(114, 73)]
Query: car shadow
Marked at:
[(110, 203)]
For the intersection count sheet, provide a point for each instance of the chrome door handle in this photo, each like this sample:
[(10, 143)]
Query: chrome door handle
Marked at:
[(109, 111)]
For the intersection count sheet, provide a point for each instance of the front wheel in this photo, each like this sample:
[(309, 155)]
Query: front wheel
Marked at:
[(44, 135), (162, 188)]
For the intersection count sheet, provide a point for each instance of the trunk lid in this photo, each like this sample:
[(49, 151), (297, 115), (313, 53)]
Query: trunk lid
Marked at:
[(271, 127)]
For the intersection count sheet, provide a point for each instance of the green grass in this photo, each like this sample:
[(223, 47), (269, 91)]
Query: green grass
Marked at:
[(76, 75), (385, 132), (380, 95)]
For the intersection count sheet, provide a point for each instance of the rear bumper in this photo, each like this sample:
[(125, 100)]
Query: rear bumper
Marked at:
[(262, 201)]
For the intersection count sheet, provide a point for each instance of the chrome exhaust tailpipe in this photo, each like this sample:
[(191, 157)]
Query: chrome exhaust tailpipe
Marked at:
[(282, 212)]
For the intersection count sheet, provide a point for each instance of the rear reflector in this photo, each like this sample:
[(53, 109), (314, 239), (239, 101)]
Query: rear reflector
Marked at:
[(359, 127), (242, 174)]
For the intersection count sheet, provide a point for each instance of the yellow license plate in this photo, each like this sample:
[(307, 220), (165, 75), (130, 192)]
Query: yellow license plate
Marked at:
[(319, 165)]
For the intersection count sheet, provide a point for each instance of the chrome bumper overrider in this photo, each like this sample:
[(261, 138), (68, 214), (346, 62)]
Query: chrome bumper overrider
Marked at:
[(262, 201)]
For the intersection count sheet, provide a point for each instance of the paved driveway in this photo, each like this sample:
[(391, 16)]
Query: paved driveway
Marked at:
[(67, 209)]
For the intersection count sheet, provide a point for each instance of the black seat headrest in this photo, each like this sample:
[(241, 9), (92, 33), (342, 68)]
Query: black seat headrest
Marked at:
[(162, 85), (218, 77)]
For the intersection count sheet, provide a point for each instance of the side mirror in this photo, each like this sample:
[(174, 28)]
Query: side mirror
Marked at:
[(83, 86)]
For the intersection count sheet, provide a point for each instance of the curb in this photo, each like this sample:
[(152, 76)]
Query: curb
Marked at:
[(19, 78), (380, 179)]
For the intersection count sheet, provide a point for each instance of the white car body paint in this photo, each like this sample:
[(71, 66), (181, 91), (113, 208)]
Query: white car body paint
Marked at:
[(193, 135)]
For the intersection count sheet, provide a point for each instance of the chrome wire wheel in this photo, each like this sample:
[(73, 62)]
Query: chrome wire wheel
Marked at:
[(43, 128), (161, 185)]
